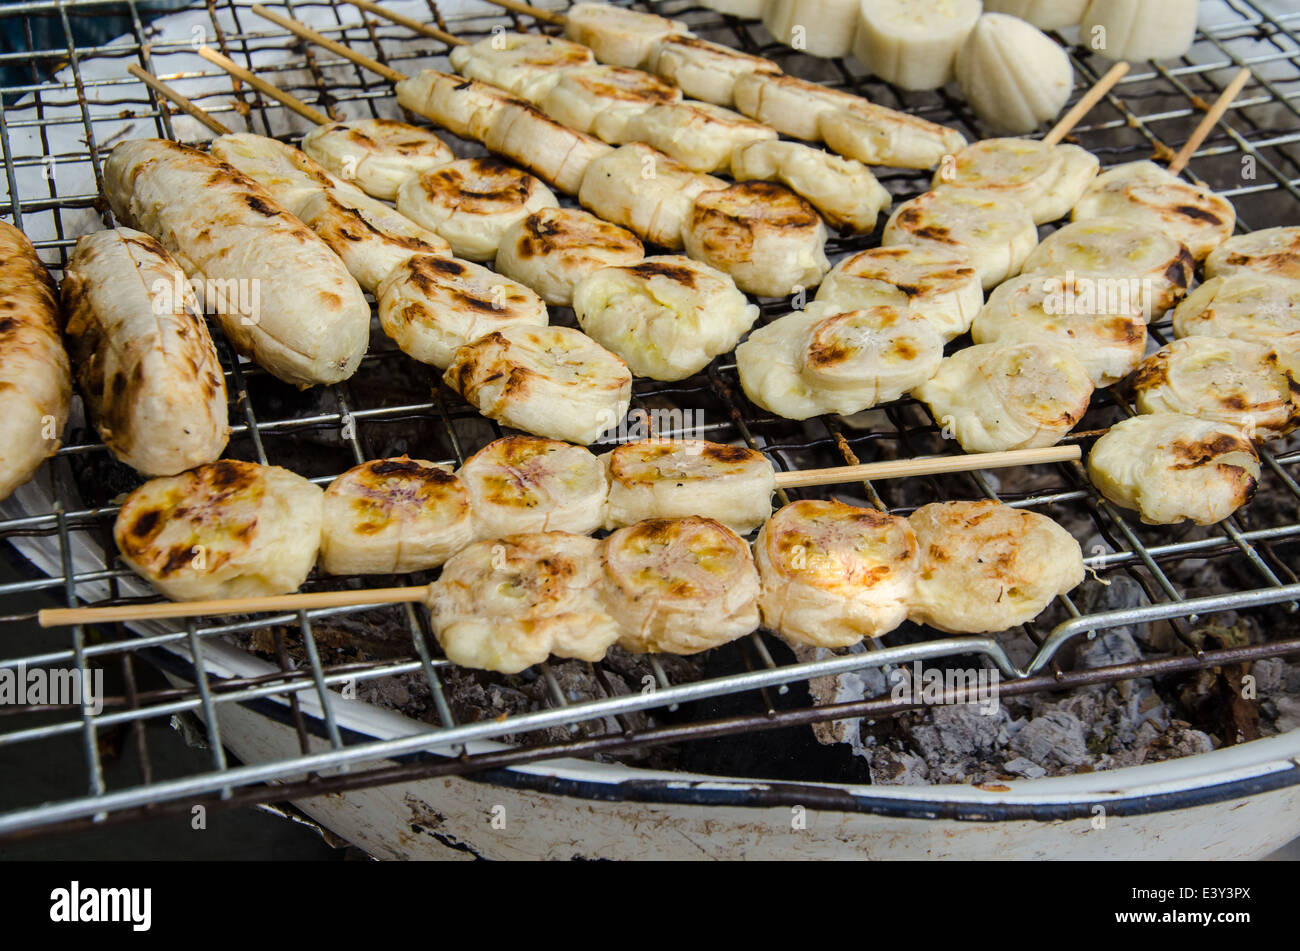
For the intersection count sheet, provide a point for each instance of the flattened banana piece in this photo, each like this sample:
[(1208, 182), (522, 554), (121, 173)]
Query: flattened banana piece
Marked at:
[(370, 237), (843, 191), (679, 586), (703, 70), (879, 136), (289, 174), (1044, 14), (526, 64), (1013, 75), (1272, 251), (1245, 305), (1144, 193), (822, 28), (833, 574), (548, 381), (432, 306), (1161, 265), (941, 286), (1046, 179), (617, 35), (986, 567), (391, 516), (508, 604), (699, 135), (472, 203), (646, 192), (674, 478), (35, 381), (766, 237), (913, 43), (146, 366), (464, 107), (1170, 467), (818, 361), (792, 106), (996, 233), (1107, 333), (667, 317), (376, 155), (605, 96), (1141, 29), (994, 397), (1244, 384), (228, 529), (527, 484), (555, 249), (556, 154)]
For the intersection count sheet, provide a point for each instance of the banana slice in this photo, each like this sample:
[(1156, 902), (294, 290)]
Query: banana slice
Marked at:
[(812, 362), (1046, 179), (941, 286), (432, 306), (1044, 14), (996, 233), (228, 529), (1160, 264), (1237, 382), (472, 203), (833, 574), (913, 43), (1274, 251), (844, 192), (601, 100), (986, 567), (464, 107), (1170, 467), (699, 135), (1140, 29), (548, 381), (391, 516), (766, 237), (674, 478), (994, 397), (703, 70), (554, 249), (1013, 75), (376, 155), (1246, 306), (749, 9), (617, 35), (508, 604), (370, 237), (526, 64), (556, 154), (822, 28), (526, 484), (666, 316), (679, 586), (1144, 193), (291, 176), (879, 136), (646, 192), (1083, 314), (793, 106)]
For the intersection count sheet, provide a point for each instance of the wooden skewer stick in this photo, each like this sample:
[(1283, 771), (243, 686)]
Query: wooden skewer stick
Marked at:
[(926, 465), (423, 28), (306, 33), (283, 98), (1210, 121), (1085, 103), (528, 10), (172, 96)]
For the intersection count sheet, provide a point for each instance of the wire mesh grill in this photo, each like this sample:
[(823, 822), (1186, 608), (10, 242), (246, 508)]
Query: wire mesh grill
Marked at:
[(67, 99)]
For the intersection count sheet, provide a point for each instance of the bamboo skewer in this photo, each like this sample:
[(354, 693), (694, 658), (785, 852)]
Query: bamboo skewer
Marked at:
[(306, 33), (527, 9), (261, 85), (423, 28), (171, 95), (1211, 119), (1085, 103)]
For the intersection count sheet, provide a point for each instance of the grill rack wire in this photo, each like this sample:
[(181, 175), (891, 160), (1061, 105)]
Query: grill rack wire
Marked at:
[(1251, 157)]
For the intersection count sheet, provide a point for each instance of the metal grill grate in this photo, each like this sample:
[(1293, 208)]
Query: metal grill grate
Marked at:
[(67, 99)]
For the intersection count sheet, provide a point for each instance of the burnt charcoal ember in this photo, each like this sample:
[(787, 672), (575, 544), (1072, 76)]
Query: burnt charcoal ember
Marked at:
[(898, 768), (1055, 736), (1024, 768), (956, 740)]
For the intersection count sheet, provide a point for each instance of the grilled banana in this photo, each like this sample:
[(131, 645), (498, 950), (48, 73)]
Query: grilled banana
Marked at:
[(766, 237), (703, 70), (843, 191), (818, 361), (527, 484), (376, 155), (674, 478), (290, 175), (224, 530), (1247, 306), (617, 35), (1140, 29), (875, 135), (548, 381), (941, 286), (472, 203), (793, 106), (1274, 251), (554, 249), (822, 28), (526, 64), (913, 43), (432, 306), (699, 135), (464, 107), (664, 577), (1046, 179), (833, 574), (1013, 75), (601, 100), (392, 516), (994, 397), (556, 154), (667, 317)]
